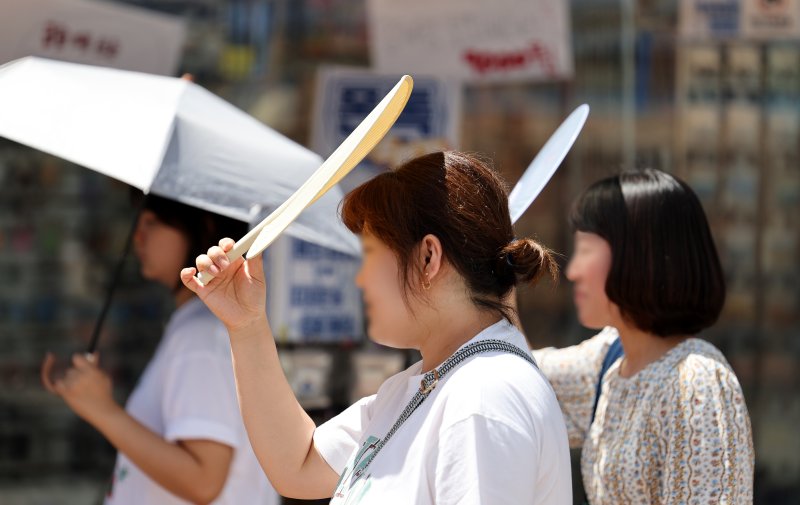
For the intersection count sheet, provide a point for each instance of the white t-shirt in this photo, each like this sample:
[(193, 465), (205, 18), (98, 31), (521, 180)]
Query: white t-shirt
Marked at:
[(187, 392), (490, 432)]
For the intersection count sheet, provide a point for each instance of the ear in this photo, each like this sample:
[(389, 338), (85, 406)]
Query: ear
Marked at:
[(431, 258)]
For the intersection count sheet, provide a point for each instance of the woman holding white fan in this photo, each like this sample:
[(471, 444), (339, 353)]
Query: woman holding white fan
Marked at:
[(475, 421)]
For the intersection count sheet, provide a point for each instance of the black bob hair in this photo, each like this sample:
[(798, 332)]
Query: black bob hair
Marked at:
[(665, 274)]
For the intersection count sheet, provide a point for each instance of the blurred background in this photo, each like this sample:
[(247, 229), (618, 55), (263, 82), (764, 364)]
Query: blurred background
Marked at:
[(705, 89)]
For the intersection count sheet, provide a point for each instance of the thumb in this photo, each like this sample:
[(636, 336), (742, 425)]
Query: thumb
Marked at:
[(255, 267)]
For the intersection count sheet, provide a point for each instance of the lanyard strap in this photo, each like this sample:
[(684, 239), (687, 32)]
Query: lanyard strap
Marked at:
[(431, 379)]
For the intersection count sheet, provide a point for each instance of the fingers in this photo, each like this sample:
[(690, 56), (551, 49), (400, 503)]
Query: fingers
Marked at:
[(204, 262), (190, 281), (72, 376), (46, 373), (255, 267), (66, 384), (61, 386), (84, 361), (227, 244), (215, 262), (219, 258)]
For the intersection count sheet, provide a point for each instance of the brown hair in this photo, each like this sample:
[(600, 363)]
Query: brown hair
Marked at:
[(460, 200)]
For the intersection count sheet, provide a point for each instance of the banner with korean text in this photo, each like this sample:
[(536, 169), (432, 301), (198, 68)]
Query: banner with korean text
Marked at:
[(498, 41), (91, 32)]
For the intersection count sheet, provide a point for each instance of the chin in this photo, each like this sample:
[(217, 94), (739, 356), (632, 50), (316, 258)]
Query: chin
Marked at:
[(379, 337), (593, 323), (385, 338)]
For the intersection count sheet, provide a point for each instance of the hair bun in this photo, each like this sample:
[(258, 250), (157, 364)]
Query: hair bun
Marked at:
[(527, 260)]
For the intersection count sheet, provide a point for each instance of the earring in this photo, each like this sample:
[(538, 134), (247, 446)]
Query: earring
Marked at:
[(426, 284)]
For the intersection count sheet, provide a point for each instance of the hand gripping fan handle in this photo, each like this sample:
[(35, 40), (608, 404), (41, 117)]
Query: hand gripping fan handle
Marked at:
[(239, 249), (344, 159)]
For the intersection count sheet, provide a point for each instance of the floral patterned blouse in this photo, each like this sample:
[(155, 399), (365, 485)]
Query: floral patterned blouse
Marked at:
[(676, 432)]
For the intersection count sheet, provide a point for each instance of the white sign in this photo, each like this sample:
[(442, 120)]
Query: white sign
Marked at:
[(91, 32), (312, 293), (498, 40), (710, 19), (344, 97), (740, 19), (771, 19)]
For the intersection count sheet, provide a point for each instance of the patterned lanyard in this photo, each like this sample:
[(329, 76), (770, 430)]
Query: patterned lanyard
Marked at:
[(431, 379)]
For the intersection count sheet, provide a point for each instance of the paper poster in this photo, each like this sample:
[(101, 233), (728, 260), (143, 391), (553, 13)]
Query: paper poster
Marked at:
[(312, 296), (771, 19), (344, 97), (709, 19), (703, 68), (739, 19), (91, 32), (497, 41), (743, 75), (783, 74)]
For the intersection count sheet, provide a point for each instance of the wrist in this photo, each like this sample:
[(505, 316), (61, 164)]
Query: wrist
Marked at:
[(106, 416), (248, 329)]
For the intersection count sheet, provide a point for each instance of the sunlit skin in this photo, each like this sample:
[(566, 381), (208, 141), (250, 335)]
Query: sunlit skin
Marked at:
[(194, 470), (588, 270), (416, 322), (384, 306)]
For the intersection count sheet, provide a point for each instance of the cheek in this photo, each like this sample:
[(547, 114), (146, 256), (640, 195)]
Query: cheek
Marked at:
[(173, 248), (596, 276), (379, 280), (595, 285)]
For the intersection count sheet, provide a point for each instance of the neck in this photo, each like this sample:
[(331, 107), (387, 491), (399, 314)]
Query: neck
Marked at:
[(642, 348), (182, 296), (452, 332)]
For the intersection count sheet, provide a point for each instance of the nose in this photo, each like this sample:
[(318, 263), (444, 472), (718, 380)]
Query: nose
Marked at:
[(572, 272), (139, 232), (359, 278)]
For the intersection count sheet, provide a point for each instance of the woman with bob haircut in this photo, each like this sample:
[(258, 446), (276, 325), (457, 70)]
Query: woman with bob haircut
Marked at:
[(667, 421), (475, 421)]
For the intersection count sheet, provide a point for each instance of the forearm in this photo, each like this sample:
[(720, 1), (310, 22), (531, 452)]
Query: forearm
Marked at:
[(166, 463), (280, 431)]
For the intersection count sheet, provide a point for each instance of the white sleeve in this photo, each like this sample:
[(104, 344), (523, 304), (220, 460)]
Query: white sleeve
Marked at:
[(199, 400), (476, 462), (336, 439)]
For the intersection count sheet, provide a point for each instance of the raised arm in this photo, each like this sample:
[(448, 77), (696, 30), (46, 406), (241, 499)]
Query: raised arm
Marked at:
[(280, 431)]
